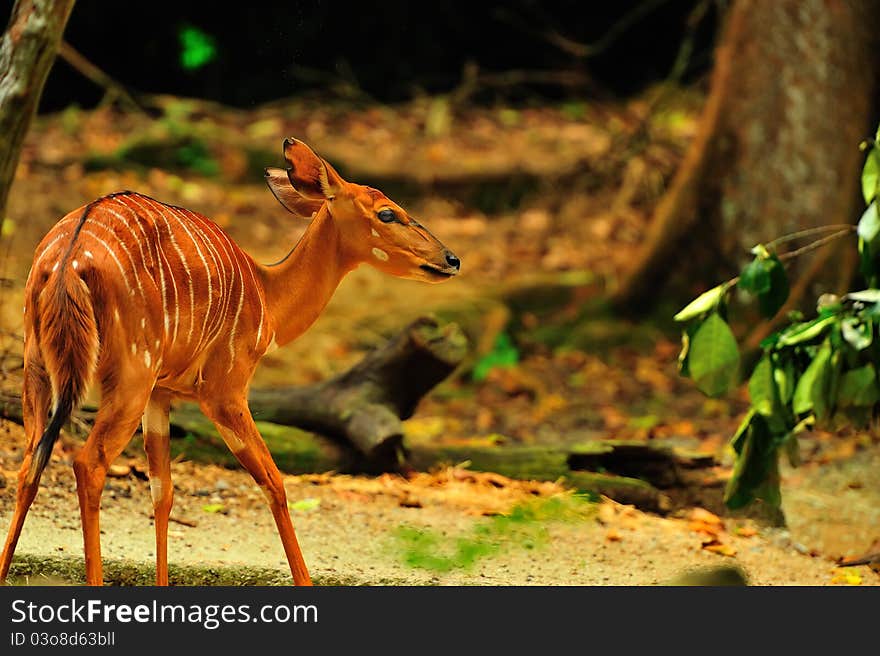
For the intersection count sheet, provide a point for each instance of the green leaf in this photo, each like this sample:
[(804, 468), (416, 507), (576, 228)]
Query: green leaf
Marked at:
[(503, 354), (765, 278), (871, 175), (783, 375), (858, 387), (857, 334), (196, 48), (769, 341), (713, 358), (755, 277), (762, 387), (768, 491), (214, 508), (737, 441), (805, 332), (865, 296), (754, 466), (866, 262), (771, 301), (705, 302), (790, 442), (869, 226), (812, 388)]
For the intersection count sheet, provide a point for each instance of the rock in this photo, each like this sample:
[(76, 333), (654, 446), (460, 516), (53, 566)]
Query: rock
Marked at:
[(221, 485), (119, 471), (728, 575)]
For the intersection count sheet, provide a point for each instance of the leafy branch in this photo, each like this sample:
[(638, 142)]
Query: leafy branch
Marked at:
[(821, 371)]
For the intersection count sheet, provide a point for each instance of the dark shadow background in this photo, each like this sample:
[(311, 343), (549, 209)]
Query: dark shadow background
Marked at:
[(391, 50)]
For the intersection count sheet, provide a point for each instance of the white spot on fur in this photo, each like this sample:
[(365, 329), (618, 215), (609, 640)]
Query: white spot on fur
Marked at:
[(232, 440), (116, 315), (88, 254), (54, 266), (134, 348), (156, 490), (375, 234), (75, 265), (143, 323), (154, 420), (157, 343), (379, 254), (147, 358)]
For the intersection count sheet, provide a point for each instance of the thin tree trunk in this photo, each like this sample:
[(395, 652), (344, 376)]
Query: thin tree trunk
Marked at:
[(792, 96), (27, 50)]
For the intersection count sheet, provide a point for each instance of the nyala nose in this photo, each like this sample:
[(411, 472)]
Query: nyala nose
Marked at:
[(452, 260)]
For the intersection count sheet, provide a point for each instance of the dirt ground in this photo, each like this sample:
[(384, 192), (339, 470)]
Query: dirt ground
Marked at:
[(360, 530)]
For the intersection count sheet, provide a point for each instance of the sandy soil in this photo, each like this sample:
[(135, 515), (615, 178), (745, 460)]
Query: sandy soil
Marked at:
[(349, 528)]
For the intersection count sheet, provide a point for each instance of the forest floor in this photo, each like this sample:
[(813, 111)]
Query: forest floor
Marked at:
[(533, 200), (448, 527)]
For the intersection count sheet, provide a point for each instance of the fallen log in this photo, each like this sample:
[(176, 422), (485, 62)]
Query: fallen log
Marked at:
[(363, 407)]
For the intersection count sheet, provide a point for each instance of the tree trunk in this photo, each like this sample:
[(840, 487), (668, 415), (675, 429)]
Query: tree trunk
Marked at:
[(27, 50), (791, 98)]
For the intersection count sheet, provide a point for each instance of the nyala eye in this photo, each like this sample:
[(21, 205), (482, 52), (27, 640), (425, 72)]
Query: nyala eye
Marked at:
[(387, 216)]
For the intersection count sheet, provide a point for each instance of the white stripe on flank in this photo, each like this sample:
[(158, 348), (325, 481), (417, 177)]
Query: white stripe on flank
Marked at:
[(182, 220), (215, 258), (115, 259), (48, 246), (137, 278), (233, 248), (235, 320), (230, 255), (258, 292), (160, 257), (226, 286), (185, 265), (137, 240), (88, 254), (173, 286)]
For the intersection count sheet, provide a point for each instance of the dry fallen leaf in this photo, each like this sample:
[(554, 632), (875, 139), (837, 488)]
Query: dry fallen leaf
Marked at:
[(746, 531), (719, 548), (705, 528), (613, 535), (703, 515), (845, 576)]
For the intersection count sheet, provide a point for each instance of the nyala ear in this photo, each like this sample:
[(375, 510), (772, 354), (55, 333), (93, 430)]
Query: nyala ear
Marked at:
[(290, 198), (310, 175)]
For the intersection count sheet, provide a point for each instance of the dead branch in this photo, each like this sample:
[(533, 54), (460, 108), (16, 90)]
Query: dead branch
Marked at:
[(87, 69)]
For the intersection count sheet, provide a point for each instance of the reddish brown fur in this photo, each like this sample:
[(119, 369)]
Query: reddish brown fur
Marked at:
[(158, 303)]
